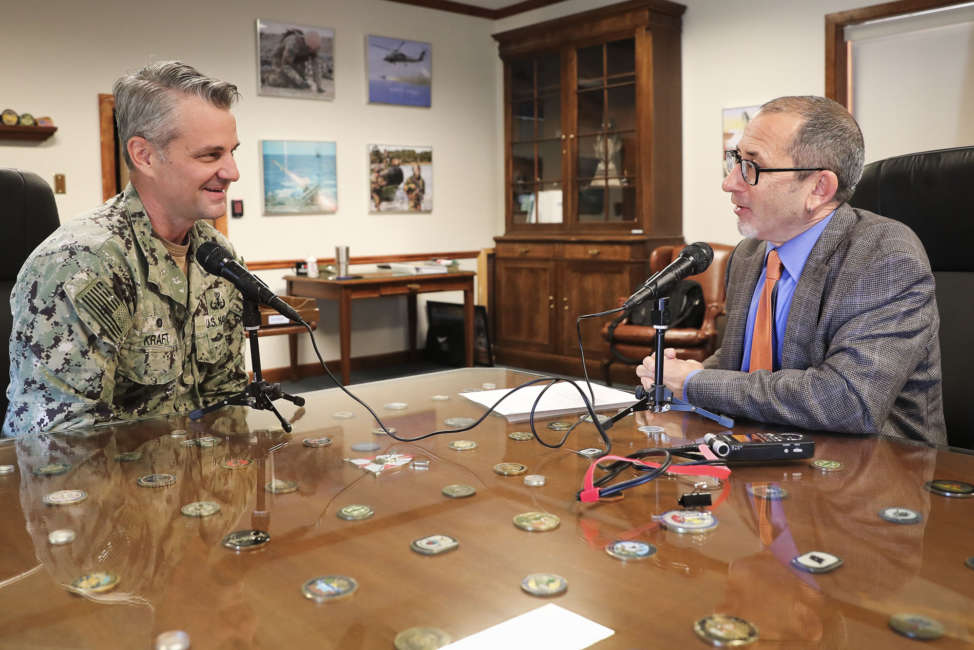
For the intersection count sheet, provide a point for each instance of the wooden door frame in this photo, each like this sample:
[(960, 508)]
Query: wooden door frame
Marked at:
[(108, 138), (838, 51)]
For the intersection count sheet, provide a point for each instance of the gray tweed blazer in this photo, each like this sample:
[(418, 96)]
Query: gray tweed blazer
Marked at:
[(861, 352)]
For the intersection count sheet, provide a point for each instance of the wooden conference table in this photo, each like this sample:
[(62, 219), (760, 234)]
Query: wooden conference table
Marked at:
[(174, 574), (376, 285)]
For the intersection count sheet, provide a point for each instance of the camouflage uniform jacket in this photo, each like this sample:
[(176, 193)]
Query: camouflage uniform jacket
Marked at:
[(101, 328)]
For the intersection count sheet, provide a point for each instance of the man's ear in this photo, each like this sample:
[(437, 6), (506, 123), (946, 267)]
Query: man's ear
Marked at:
[(826, 185), (143, 154)]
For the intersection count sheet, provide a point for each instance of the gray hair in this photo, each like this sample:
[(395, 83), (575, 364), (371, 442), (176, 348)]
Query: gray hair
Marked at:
[(145, 101), (829, 138)]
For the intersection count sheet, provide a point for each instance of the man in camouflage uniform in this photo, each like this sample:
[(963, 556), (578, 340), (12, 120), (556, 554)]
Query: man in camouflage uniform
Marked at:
[(295, 53), (112, 316)]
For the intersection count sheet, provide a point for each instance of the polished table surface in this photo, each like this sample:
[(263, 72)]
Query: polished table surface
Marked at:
[(174, 574)]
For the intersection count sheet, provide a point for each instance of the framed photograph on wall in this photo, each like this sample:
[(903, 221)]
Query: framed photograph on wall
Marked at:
[(400, 71), (401, 178), (295, 60), (299, 177), (734, 121)]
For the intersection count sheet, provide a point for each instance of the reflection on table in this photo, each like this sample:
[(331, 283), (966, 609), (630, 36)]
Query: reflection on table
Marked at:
[(175, 574)]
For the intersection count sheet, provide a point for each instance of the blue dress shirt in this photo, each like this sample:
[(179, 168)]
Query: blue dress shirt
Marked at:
[(793, 254)]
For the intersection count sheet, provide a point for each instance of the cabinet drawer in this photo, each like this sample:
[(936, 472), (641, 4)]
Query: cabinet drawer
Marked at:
[(597, 251), (527, 250)]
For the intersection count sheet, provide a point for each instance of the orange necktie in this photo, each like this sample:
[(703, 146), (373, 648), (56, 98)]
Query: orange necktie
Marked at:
[(761, 354)]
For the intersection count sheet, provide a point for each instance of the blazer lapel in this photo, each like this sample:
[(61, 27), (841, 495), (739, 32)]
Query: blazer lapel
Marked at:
[(746, 268), (803, 318)]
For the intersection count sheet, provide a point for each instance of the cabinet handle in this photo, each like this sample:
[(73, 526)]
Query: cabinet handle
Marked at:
[(593, 252), (564, 299), (563, 136), (571, 136), (413, 287), (551, 297), (523, 251), (551, 306)]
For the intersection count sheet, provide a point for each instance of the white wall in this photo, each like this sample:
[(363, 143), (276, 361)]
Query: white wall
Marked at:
[(62, 55)]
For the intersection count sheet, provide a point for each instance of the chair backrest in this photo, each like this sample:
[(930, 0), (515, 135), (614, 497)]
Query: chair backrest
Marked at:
[(28, 214), (933, 193), (712, 281)]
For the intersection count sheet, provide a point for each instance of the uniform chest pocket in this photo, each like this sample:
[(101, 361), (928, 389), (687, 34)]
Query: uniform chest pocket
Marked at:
[(151, 355), (214, 328)]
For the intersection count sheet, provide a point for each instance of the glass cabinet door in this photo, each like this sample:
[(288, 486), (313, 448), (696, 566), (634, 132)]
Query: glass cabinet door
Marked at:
[(536, 139), (606, 170)]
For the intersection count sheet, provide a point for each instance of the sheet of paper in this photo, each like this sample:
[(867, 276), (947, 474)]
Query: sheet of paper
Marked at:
[(549, 626), (560, 399)]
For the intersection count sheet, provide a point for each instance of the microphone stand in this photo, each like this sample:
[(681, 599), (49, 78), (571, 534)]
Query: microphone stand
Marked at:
[(659, 398), (259, 394)]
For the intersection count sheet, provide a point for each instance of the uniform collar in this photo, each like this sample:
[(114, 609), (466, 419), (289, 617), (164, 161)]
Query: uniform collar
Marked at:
[(162, 270)]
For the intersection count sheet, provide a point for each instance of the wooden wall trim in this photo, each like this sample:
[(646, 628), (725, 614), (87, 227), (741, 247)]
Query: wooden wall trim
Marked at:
[(838, 62), (106, 136), (479, 12), (267, 265)]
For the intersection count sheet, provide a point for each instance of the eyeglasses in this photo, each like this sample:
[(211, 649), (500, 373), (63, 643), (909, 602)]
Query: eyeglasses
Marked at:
[(750, 170)]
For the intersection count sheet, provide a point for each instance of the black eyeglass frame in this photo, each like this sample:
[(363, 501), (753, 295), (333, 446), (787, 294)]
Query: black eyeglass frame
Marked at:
[(736, 155)]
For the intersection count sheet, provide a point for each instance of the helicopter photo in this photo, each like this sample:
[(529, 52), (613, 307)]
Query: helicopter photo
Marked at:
[(400, 71), (396, 55)]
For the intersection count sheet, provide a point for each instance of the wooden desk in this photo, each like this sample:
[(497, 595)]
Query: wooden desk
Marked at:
[(174, 574), (377, 285)]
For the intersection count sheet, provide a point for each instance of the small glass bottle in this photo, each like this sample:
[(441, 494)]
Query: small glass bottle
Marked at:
[(312, 263)]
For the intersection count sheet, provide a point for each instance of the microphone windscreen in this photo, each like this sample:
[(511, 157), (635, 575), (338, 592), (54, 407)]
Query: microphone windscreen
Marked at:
[(701, 254), (210, 254)]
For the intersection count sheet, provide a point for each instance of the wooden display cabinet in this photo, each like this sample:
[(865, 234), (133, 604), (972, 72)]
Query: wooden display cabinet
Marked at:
[(593, 174)]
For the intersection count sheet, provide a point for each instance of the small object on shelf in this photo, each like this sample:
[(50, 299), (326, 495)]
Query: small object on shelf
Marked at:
[(9, 117), (26, 119), (45, 121)]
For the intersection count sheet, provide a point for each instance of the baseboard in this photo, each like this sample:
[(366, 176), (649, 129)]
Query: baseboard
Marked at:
[(304, 370)]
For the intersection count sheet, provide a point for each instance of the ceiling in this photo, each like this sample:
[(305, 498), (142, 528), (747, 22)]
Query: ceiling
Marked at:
[(493, 9)]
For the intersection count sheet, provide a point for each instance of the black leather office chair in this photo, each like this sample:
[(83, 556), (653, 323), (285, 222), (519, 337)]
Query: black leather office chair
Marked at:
[(933, 193), (28, 215)]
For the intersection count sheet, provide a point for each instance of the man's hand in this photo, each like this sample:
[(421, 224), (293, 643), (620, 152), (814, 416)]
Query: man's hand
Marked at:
[(675, 371)]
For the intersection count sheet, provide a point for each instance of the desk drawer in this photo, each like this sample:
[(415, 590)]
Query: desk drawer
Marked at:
[(599, 251), (526, 250)]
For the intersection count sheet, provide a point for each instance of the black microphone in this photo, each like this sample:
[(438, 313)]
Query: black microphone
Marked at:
[(218, 261), (693, 259)]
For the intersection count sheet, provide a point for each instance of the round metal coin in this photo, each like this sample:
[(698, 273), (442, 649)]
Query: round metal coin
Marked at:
[(200, 509), (520, 435), (510, 469), (559, 426), (51, 469), (535, 480), (603, 418), (434, 544), (536, 522), (396, 406), (65, 497), (156, 480), (324, 441), (189, 442), (463, 445), (236, 463), (768, 491), (544, 584), (950, 488), (355, 512), (726, 631), (652, 429), (128, 456), (280, 486), (325, 589), (458, 423), (172, 640), (96, 583), (816, 562), (826, 465), (343, 415), (901, 515), (7, 469), (440, 398), (246, 540), (630, 550), (689, 521), (208, 441), (10, 117), (916, 626), (61, 536), (422, 638), (366, 446), (459, 491), (177, 433), (379, 431)]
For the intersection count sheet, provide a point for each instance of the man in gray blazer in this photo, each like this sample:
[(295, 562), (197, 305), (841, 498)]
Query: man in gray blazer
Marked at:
[(854, 333)]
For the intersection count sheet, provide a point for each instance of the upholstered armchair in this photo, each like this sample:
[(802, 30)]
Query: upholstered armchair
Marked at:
[(629, 343)]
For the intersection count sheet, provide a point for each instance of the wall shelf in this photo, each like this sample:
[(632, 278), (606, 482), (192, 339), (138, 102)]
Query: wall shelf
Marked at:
[(35, 133)]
